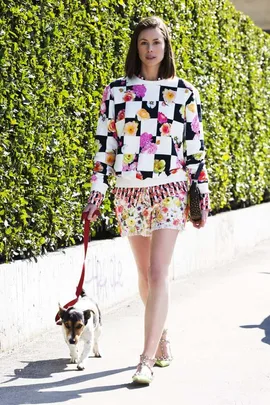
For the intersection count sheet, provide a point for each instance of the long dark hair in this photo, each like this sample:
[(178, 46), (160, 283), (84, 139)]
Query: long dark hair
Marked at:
[(133, 62)]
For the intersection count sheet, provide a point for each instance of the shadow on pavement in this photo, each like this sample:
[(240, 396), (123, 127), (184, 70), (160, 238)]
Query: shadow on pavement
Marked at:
[(265, 325), (40, 369), (40, 393)]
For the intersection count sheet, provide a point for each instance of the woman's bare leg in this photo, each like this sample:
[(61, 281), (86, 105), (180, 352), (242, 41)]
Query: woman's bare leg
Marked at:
[(156, 310), (141, 247)]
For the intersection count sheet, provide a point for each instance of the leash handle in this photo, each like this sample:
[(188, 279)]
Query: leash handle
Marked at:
[(86, 240)]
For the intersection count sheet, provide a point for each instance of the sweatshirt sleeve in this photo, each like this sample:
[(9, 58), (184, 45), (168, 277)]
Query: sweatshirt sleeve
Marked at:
[(194, 152), (107, 146)]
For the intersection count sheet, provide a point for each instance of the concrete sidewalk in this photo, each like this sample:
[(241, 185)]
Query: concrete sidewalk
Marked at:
[(220, 334)]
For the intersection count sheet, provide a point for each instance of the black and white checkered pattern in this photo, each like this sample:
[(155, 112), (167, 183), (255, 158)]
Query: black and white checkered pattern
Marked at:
[(149, 129)]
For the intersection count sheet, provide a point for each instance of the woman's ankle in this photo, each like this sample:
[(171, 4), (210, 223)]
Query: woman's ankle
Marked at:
[(147, 360)]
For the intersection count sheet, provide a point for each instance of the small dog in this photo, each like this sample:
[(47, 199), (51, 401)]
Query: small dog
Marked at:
[(82, 322)]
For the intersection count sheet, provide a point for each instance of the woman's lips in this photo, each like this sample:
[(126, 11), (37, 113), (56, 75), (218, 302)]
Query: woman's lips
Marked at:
[(150, 57)]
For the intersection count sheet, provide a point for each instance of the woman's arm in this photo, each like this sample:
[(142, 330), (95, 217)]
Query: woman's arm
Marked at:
[(194, 150), (107, 145)]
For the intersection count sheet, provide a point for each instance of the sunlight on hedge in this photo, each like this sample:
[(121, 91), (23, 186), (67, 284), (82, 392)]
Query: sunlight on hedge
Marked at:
[(56, 57)]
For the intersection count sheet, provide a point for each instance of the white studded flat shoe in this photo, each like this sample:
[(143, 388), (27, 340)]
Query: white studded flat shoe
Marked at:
[(144, 373)]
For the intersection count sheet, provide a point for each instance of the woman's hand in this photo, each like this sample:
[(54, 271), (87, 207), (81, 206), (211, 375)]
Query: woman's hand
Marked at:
[(93, 212), (202, 222)]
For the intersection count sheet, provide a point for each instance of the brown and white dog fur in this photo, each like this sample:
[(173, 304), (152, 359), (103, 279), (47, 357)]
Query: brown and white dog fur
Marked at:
[(82, 322)]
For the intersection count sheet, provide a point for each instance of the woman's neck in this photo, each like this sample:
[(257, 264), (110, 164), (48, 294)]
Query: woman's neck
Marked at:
[(149, 74)]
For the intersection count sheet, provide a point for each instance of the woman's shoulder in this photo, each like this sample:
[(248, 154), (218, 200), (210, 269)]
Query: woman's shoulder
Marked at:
[(119, 82), (186, 85)]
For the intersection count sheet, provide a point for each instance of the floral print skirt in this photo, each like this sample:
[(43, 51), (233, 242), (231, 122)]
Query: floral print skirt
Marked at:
[(140, 211)]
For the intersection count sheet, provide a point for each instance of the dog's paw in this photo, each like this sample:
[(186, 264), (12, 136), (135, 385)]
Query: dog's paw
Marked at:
[(97, 354), (80, 366), (73, 360)]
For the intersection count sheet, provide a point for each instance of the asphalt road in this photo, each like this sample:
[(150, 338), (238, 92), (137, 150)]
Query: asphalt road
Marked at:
[(220, 334)]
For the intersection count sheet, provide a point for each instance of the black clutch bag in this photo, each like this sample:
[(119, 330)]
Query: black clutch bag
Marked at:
[(195, 197)]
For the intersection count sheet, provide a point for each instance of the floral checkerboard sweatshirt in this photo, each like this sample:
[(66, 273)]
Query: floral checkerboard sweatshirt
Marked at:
[(148, 133)]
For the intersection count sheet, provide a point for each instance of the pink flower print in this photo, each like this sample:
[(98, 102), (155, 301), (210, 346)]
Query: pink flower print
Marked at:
[(182, 163), (165, 129), (139, 90), (195, 125), (139, 176), (145, 138), (133, 166), (176, 222), (106, 93), (202, 176), (120, 115), (150, 148), (120, 209), (125, 168), (115, 136), (129, 96), (94, 178), (103, 108), (162, 118)]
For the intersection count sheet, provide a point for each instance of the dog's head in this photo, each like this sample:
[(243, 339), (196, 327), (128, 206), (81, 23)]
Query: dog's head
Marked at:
[(74, 322)]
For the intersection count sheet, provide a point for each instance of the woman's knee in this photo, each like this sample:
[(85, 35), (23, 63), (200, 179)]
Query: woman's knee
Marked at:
[(143, 273), (158, 276)]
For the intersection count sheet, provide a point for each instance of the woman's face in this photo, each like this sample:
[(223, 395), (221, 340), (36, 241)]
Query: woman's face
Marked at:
[(151, 47)]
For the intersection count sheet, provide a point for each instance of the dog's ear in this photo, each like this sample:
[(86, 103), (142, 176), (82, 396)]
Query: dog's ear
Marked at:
[(87, 315), (61, 311)]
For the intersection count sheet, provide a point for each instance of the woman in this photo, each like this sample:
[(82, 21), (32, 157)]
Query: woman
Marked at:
[(150, 137)]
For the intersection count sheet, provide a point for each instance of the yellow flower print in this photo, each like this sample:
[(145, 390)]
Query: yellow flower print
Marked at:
[(192, 107), (143, 114), (131, 222), (98, 144), (131, 128), (110, 158), (159, 166), (167, 201), (182, 111), (199, 155), (160, 217), (177, 202), (128, 158), (124, 216), (169, 96)]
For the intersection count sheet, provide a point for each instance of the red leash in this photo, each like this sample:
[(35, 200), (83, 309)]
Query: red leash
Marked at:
[(86, 237)]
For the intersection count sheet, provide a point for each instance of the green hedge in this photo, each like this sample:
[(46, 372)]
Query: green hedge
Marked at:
[(55, 59)]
